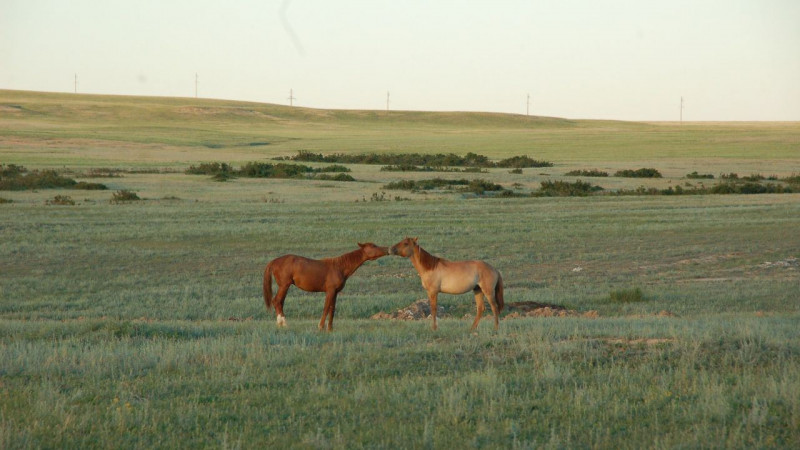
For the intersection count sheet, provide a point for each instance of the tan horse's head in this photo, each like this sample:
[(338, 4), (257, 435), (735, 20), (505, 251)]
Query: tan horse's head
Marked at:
[(404, 248), (372, 251)]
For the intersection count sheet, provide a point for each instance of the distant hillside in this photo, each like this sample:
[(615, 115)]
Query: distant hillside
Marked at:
[(101, 129)]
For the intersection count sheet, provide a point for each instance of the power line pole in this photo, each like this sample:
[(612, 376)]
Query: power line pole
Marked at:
[(528, 106), (387, 101), (196, 80), (291, 98), (681, 109), (76, 83)]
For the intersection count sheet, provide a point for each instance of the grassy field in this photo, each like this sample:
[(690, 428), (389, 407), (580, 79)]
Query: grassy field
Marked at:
[(142, 325)]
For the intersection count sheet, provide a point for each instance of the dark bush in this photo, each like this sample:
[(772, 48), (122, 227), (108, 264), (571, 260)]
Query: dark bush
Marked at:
[(11, 170), (210, 169), (695, 175), (586, 173), (425, 185), (638, 173), (45, 179), (480, 186), (90, 186), (565, 189), (333, 168), (337, 177), (418, 159), (520, 162)]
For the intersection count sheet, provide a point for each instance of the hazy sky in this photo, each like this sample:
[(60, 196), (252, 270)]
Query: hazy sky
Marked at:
[(630, 60)]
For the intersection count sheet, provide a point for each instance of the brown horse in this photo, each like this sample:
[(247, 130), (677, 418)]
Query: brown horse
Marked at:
[(311, 275), (454, 277)]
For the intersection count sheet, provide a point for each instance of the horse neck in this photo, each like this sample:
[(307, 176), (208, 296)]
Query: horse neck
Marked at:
[(349, 262), (423, 261)]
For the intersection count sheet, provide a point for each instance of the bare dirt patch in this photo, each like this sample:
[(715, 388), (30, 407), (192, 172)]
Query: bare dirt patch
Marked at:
[(419, 310), (535, 309)]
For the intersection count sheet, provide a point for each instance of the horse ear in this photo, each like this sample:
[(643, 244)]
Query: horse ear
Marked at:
[(415, 240), (361, 245)]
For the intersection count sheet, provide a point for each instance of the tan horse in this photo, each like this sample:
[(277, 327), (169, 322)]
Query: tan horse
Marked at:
[(312, 275), (454, 277)]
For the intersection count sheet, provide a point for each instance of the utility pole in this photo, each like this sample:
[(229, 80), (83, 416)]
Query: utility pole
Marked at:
[(681, 110), (76, 83), (528, 106), (196, 80), (291, 98), (387, 101)]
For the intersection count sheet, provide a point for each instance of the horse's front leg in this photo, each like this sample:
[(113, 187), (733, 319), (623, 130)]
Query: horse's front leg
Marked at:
[(432, 297), (330, 302), (332, 311)]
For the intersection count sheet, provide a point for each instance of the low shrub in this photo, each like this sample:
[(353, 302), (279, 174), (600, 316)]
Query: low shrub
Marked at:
[(695, 175), (480, 186), (210, 169), (90, 186), (517, 171), (752, 188), (11, 170), (19, 179), (425, 185), (638, 173), (586, 173), (418, 159), (520, 162), (5, 200), (337, 177), (565, 189)]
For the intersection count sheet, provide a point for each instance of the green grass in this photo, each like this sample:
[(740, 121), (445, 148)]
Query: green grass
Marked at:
[(141, 324)]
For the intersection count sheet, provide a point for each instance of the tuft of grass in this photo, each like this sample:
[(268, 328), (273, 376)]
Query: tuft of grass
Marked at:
[(62, 200), (694, 175), (124, 196), (633, 295)]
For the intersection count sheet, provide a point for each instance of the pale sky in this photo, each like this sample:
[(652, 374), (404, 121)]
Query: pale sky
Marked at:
[(603, 59)]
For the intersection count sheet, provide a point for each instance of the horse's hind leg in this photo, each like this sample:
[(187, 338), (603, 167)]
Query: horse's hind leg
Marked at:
[(481, 307), (489, 293), (278, 303)]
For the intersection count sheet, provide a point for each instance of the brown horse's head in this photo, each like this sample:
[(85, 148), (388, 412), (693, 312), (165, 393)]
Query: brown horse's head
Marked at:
[(404, 248), (372, 251)]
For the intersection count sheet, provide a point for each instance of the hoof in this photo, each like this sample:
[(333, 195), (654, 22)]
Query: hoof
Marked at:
[(281, 321)]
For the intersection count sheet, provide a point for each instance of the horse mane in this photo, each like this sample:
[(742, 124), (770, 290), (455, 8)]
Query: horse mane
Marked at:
[(348, 260), (426, 260)]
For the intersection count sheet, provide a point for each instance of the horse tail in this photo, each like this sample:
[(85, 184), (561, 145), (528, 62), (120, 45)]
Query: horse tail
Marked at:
[(268, 286), (498, 292)]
